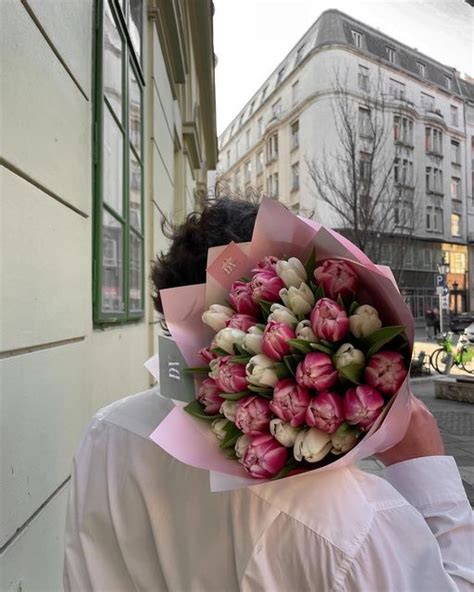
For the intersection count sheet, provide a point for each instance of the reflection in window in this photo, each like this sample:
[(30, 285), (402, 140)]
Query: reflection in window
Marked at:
[(135, 273), (113, 52), (135, 192), (135, 25), (135, 110), (112, 281), (113, 162)]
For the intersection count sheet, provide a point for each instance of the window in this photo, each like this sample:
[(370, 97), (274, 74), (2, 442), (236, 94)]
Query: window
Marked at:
[(365, 124), (427, 102), (363, 78), (247, 139), (260, 127), (454, 115), (231, 131), (357, 39), (264, 93), (295, 176), (396, 171), (427, 258), (228, 158), (237, 149), (299, 54), (407, 173), (390, 54), (434, 219), (455, 188), (281, 71), (252, 105), (403, 213), (272, 185), (295, 131), (118, 191), (447, 82), (434, 180), (455, 225), (276, 108), (364, 167), (295, 88), (260, 162), (247, 171), (272, 147), (396, 89), (421, 69), (455, 152), (385, 255), (237, 181), (433, 140), (241, 119)]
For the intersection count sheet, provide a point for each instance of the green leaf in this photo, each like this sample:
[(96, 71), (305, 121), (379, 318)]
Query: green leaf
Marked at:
[(261, 326), (232, 435), (195, 408), (329, 344), (239, 350), (243, 359), (310, 263), (340, 301), (281, 370), (292, 362), (234, 396), (319, 292), (245, 279), (266, 392), (219, 351), (352, 372), (196, 370), (321, 348), (353, 307), (301, 345), (265, 306), (291, 465), (376, 340)]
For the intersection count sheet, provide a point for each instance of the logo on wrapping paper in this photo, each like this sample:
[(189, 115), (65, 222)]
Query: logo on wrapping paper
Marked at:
[(174, 370), (229, 265)]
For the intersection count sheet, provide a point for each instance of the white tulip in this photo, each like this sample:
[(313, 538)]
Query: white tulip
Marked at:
[(218, 428), (344, 438), (228, 409), (312, 445), (226, 338), (299, 300), (241, 445), (304, 331), (292, 272), (364, 321), (252, 342), (283, 432), (217, 316), (348, 354), (214, 368), (260, 371), (282, 314)]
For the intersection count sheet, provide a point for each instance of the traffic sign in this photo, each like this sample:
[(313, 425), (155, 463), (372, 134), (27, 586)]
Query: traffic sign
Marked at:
[(439, 290), (439, 280), (445, 291), (445, 302)]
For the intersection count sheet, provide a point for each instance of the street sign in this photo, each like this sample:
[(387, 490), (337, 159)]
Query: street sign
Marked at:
[(439, 280), (439, 290), (445, 302), (445, 291)]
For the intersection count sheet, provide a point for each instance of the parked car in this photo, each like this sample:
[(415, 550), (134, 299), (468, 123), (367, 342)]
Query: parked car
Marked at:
[(469, 333), (461, 321)]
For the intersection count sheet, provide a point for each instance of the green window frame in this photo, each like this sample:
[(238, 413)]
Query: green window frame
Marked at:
[(118, 239)]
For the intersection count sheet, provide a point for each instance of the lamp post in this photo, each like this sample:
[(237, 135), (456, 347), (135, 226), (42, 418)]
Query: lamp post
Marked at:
[(443, 269), (455, 293)]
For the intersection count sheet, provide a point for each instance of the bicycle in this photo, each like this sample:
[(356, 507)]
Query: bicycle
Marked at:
[(447, 356)]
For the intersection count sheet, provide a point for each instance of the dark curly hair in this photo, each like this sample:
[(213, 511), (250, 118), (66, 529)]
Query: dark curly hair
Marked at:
[(221, 221)]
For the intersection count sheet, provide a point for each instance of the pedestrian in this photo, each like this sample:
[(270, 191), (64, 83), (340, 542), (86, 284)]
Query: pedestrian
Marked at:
[(138, 519), (430, 321), (436, 322)]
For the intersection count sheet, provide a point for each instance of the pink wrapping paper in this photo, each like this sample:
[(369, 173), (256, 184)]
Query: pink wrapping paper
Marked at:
[(277, 232)]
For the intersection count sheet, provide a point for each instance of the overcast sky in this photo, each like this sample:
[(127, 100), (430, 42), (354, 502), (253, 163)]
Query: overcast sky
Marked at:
[(251, 37)]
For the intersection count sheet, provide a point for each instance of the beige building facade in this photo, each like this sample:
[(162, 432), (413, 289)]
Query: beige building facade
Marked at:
[(108, 119), (290, 121)]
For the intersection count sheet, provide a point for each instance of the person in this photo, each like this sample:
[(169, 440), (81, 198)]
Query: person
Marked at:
[(138, 519), (430, 322), (436, 322)]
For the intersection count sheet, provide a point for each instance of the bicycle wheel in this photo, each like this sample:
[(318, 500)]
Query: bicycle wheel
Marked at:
[(440, 360), (467, 359)]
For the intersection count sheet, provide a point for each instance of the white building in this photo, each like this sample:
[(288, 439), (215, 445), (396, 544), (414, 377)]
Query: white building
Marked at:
[(108, 117), (290, 120)]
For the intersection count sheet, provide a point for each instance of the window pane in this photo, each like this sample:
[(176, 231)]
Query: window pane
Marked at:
[(113, 52), (135, 24), (112, 280), (135, 192), (135, 271), (135, 99), (113, 163)]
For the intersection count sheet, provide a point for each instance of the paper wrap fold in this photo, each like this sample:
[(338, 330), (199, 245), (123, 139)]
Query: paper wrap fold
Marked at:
[(277, 232)]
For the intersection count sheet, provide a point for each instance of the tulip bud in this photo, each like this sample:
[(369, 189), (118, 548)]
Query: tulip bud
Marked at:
[(292, 272), (290, 402), (218, 428), (348, 354), (386, 372), (228, 409), (240, 296), (362, 405), (325, 412), (344, 438), (230, 378), (253, 415), (299, 300), (264, 457), (241, 445), (227, 338), (242, 322), (217, 316), (209, 396), (267, 263), (316, 372), (364, 321), (282, 314), (303, 331), (312, 445), (206, 354), (329, 320), (283, 432), (261, 371), (275, 340), (252, 342), (337, 278), (266, 285)]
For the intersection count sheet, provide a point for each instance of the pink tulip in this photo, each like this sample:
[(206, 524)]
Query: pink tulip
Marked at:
[(325, 412), (290, 402), (337, 278), (329, 320), (264, 457), (386, 372), (230, 378), (253, 415), (242, 322), (206, 354), (240, 296), (362, 405), (267, 264), (275, 340), (316, 372), (266, 285), (208, 396)]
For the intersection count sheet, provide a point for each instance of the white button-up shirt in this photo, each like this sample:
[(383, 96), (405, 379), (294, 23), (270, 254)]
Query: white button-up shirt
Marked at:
[(140, 520)]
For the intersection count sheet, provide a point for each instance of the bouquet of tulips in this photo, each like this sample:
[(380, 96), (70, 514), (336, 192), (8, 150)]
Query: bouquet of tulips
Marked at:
[(298, 370)]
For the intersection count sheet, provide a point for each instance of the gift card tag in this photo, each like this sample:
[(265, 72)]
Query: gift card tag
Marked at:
[(174, 383), (229, 266)]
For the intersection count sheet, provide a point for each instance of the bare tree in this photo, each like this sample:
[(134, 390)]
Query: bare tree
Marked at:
[(366, 178)]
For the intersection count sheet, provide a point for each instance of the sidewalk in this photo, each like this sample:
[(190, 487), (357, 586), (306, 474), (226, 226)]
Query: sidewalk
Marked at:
[(456, 423)]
